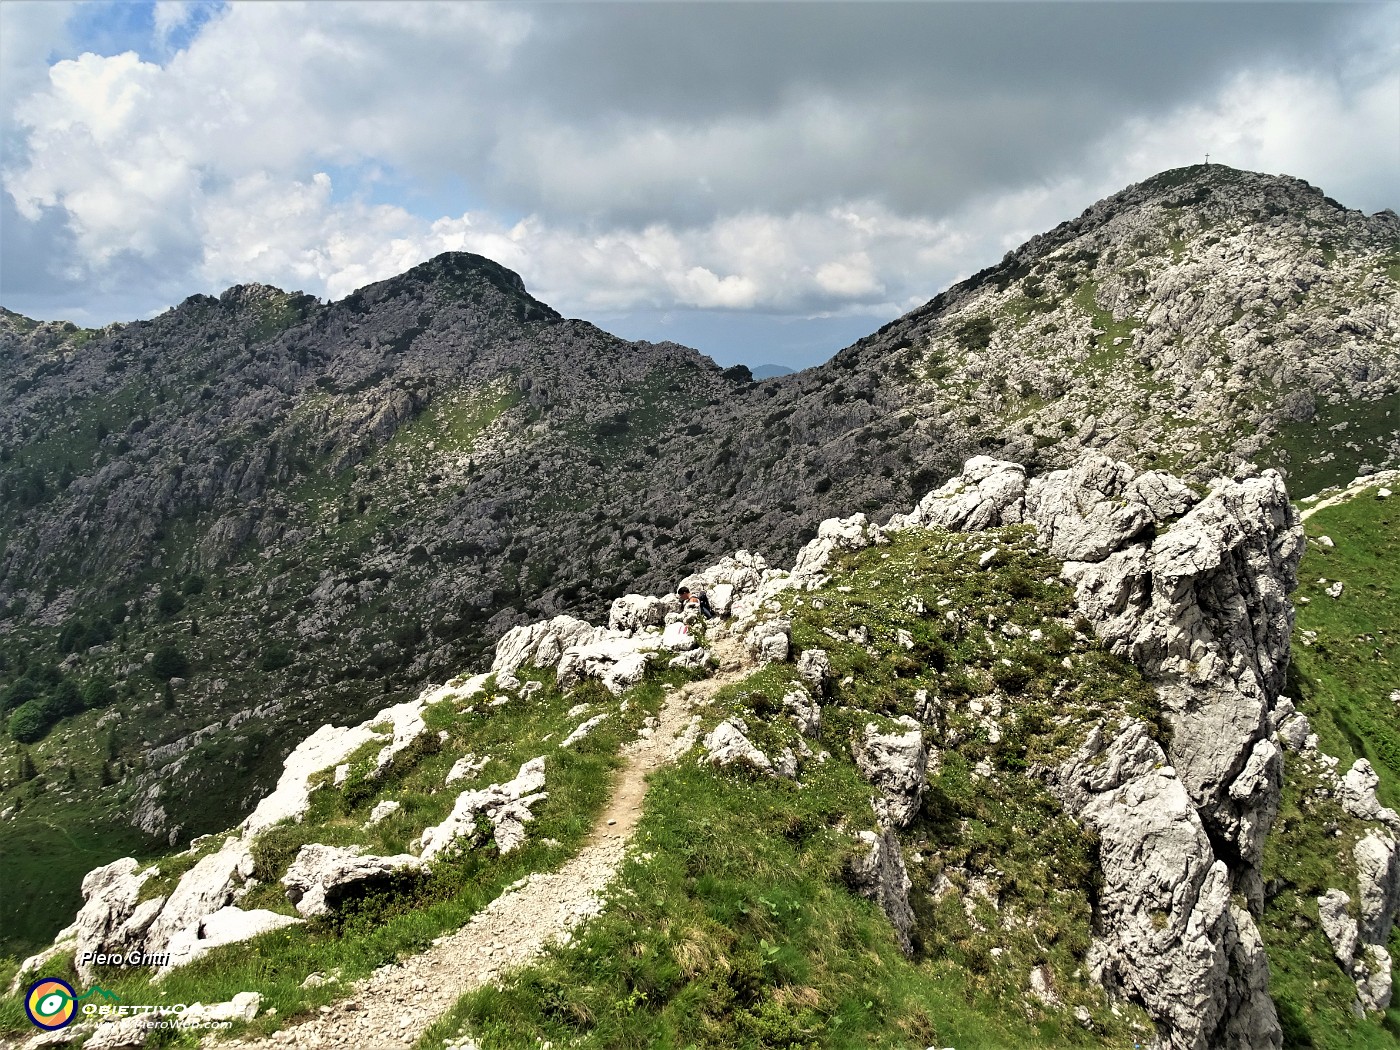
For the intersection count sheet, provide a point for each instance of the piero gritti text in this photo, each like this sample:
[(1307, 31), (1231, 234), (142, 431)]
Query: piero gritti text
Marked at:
[(132, 958)]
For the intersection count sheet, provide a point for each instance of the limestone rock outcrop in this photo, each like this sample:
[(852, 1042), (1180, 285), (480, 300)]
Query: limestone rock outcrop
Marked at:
[(632, 612), (728, 745), (1357, 794), (1194, 590), (768, 641), (1366, 962), (542, 644), (228, 925), (834, 534), (814, 666), (103, 924), (1171, 937), (805, 712)]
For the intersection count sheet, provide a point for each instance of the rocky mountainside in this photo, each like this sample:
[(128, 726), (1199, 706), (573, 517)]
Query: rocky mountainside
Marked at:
[(1037, 723), (257, 513)]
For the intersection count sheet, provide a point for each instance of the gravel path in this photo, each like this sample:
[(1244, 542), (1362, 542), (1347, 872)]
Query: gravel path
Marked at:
[(393, 1006), (1384, 477)]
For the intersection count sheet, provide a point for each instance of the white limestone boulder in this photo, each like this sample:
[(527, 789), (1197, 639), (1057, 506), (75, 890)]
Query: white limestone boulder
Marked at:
[(896, 764), (320, 875), (228, 925)]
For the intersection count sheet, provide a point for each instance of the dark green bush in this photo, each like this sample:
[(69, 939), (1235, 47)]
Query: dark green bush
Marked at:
[(169, 603), (274, 658), (169, 662), (31, 720)]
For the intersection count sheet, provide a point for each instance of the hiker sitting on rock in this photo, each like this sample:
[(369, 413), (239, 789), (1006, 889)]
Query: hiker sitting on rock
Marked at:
[(701, 600)]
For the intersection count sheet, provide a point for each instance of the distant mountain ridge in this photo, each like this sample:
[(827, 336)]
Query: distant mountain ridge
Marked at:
[(771, 371), (302, 507)]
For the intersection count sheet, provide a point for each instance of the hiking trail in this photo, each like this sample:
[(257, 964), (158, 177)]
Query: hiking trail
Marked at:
[(396, 1003)]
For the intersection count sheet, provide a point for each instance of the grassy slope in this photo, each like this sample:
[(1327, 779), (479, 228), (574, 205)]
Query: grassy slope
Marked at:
[(733, 926), (1346, 663), (1346, 674), (405, 916)]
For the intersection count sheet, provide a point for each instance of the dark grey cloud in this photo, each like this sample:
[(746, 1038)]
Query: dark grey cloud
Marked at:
[(954, 99)]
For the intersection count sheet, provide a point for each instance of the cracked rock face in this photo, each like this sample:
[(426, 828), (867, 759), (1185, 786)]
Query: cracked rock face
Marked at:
[(814, 667), (1357, 795), (110, 899), (1377, 859), (632, 612), (728, 746), (1365, 961), (805, 712), (1171, 938), (542, 644), (876, 871), (768, 641)]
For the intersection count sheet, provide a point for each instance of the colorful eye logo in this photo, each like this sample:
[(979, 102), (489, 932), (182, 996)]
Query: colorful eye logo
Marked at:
[(50, 1003)]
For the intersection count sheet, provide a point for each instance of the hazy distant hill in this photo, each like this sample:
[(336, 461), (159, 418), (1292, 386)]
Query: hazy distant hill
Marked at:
[(771, 371)]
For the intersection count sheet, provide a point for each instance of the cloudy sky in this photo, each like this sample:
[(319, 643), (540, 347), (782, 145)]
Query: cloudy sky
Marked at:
[(766, 182)]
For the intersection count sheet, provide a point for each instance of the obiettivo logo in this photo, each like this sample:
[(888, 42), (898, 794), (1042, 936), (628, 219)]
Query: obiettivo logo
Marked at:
[(51, 1003)]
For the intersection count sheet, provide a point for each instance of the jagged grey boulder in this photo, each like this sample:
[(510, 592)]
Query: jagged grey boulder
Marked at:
[(1089, 511), (326, 747), (321, 874), (1378, 883), (897, 765), (691, 661), (805, 712), (1290, 725), (1373, 978), (1357, 794), (1358, 948), (814, 667), (768, 640), (542, 644), (632, 612), (406, 725), (110, 897), (464, 767), (1338, 926), (201, 891), (987, 493), (1202, 608), (734, 577), (617, 661), (677, 637), (834, 534), (876, 871)]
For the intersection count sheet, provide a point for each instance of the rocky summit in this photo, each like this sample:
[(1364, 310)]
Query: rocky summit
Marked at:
[(259, 513)]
